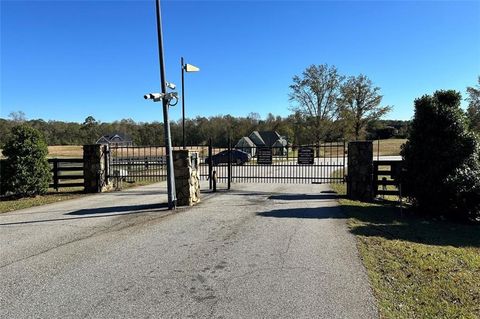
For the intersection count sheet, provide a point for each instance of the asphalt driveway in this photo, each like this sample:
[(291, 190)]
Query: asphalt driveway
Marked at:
[(258, 251)]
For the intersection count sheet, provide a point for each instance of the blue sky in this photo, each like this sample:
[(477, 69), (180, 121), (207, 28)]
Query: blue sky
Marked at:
[(66, 60)]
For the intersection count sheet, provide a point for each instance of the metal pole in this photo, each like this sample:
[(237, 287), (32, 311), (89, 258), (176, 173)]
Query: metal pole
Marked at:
[(172, 199), (378, 149), (183, 102), (210, 164), (229, 167)]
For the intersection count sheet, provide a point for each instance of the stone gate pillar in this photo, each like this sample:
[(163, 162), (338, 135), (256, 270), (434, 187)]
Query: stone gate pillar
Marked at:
[(360, 171), (187, 178), (95, 165)]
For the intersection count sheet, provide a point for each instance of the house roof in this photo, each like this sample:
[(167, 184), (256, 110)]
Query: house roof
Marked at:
[(245, 142), (118, 136), (281, 142), (269, 137), (257, 139), (102, 140)]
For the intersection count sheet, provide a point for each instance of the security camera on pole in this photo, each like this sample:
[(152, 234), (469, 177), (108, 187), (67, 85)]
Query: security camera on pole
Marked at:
[(166, 99)]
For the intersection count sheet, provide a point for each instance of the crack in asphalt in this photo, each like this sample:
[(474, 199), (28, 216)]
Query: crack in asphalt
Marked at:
[(289, 242)]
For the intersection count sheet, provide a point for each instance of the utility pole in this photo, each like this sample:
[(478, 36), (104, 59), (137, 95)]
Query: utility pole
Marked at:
[(183, 103), (172, 199)]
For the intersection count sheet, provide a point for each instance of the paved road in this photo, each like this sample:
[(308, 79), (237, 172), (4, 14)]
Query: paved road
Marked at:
[(258, 251)]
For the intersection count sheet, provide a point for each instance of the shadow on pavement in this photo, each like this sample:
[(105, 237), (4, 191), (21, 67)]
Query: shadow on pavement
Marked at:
[(304, 197), (102, 212), (314, 213), (117, 209)]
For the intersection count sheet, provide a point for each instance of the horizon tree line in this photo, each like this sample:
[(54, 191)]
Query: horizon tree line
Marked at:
[(325, 105)]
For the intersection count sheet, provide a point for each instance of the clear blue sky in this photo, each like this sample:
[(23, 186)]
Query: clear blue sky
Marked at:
[(66, 60)]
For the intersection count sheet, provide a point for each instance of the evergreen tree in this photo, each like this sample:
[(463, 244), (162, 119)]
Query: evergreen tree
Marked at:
[(26, 171)]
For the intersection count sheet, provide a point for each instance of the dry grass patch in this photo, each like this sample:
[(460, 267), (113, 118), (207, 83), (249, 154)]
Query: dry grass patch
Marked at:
[(390, 147), (65, 151)]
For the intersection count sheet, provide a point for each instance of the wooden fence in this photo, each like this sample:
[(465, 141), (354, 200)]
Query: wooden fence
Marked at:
[(66, 172), (387, 173)]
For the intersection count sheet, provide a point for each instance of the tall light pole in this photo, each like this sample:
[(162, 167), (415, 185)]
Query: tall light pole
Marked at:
[(185, 68), (172, 199)]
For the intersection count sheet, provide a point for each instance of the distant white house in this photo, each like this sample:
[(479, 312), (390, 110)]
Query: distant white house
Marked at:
[(116, 139), (249, 144)]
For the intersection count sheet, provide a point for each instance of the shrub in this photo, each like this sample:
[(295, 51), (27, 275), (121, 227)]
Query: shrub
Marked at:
[(442, 159), (26, 169), (2, 177)]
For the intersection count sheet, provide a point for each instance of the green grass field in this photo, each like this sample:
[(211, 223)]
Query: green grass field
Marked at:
[(418, 268)]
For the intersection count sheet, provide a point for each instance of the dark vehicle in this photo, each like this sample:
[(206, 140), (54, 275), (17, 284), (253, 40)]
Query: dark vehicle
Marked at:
[(238, 157)]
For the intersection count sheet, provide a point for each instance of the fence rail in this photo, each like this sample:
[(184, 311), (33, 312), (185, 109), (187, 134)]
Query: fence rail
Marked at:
[(66, 172), (384, 177)]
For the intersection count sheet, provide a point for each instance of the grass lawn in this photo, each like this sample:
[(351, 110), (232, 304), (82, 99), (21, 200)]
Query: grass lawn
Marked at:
[(418, 268), (9, 204)]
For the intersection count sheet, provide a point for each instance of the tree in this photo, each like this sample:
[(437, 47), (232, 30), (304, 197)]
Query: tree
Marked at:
[(90, 129), (442, 159), (315, 95), (359, 104), (26, 167), (90, 121), (473, 109), (17, 117)]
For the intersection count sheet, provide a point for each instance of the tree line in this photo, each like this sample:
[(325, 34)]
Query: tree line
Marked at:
[(198, 130), (325, 105)]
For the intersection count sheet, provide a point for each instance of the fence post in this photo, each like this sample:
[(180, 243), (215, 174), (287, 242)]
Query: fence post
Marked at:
[(187, 179), (55, 174), (345, 151), (229, 168), (94, 169), (210, 164), (360, 170), (106, 163), (378, 149)]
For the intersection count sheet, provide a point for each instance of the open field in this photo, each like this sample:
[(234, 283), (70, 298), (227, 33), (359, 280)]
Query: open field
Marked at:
[(65, 151), (388, 147), (62, 151), (418, 268)]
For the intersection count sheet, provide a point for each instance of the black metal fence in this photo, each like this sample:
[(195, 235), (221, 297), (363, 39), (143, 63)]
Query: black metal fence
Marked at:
[(324, 163)]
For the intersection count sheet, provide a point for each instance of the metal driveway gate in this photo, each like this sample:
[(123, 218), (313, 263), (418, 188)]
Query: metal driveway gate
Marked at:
[(137, 163), (311, 164), (145, 163)]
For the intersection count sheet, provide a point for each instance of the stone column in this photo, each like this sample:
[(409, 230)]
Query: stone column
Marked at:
[(187, 178), (360, 171), (95, 164)]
